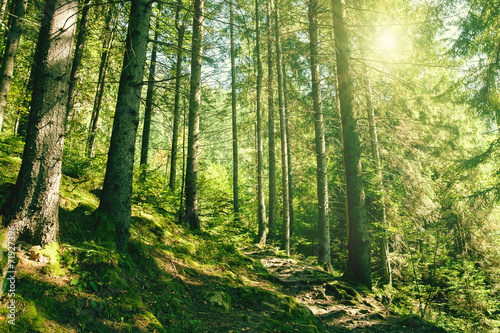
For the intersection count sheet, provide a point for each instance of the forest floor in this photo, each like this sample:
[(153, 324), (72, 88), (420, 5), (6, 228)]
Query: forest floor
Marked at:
[(265, 291), (175, 280)]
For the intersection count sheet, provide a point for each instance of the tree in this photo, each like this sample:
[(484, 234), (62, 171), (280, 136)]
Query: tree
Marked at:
[(34, 204), (270, 109), (375, 153), (77, 59), (114, 211), (149, 101), (7, 69), (103, 69), (284, 144), (191, 215), (261, 207), (234, 114), (180, 27), (359, 258), (319, 131)]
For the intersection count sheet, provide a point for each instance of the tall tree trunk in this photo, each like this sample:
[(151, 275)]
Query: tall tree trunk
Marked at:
[(270, 108), (284, 144), (319, 131), (261, 209), (236, 204), (115, 208), (103, 69), (13, 38), (77, 61), (289, 144), (194, 118), (34, 203), (175, 131), (148, 110), (359, 258), (382, 238)]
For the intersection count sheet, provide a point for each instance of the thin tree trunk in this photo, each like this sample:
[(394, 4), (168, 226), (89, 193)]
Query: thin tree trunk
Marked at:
[(115, 209), (359, 257), (270, 108), (13, 38), (77, 61), (284, 144), (103, 68), (236, 204), (194, 118), (384, 257), (324, 257), (261, 209), (181, 206), (175, 131), (148, 110), (34, 203), (289, 144)]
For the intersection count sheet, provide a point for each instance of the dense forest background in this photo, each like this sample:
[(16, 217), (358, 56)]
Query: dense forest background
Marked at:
[(362, 133)]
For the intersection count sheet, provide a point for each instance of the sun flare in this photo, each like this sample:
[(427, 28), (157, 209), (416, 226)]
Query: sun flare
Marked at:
[(387, 40)]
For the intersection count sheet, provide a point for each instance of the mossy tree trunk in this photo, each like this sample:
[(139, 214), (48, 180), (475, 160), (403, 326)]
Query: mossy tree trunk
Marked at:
[(319, 131), (359, 257), (191, 215), (114, 211)]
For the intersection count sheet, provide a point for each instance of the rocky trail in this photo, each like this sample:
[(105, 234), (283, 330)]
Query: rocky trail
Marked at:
[(337, 306)]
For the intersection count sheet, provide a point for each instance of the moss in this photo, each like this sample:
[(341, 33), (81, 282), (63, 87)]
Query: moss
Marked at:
[(53, 251), (28, 319)]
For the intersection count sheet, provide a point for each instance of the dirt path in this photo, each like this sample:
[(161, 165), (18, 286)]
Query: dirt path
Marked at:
[(336, 305)]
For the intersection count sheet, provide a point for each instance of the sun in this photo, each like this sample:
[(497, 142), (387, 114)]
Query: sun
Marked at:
[(387, 40)]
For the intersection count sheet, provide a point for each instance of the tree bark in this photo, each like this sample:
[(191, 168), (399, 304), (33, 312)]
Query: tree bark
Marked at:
[(114, 211), (148, 110), (284, 144), (234, 114), (103, 69), (359, 257), (324, 257), (34, 204), (191, 215), (13, 38), (175, 131)]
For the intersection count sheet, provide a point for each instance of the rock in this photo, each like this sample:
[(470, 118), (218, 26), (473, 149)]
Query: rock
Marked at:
[(219, 298)]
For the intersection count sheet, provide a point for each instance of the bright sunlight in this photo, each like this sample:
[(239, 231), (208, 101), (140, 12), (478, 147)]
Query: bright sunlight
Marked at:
[(387, 40)]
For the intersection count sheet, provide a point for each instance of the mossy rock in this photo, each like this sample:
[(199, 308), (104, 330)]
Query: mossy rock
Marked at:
[(219, 298), (279, 306), (342, 292)]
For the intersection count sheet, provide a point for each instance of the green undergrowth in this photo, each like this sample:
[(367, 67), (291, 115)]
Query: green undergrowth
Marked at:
[(157, 286)]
